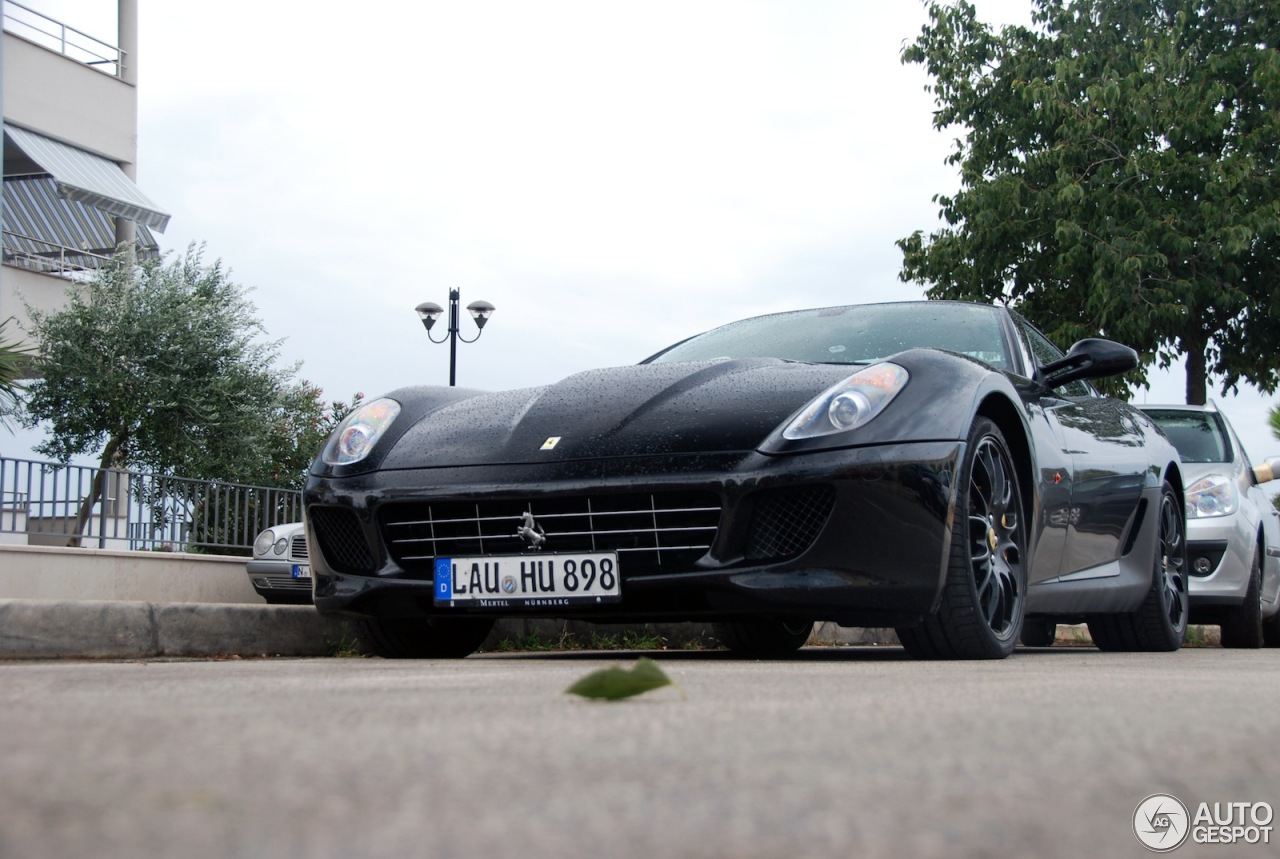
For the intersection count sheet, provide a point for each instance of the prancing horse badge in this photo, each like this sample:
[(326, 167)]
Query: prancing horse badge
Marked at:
[(551, 442)]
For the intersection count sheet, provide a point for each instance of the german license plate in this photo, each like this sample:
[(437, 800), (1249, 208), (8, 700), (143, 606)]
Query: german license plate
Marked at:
[(301, 571), (528, 581)]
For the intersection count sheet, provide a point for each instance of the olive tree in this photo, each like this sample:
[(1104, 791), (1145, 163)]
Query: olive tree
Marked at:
[(164, 366)]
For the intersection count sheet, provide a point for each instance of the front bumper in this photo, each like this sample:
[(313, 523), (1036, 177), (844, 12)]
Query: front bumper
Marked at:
[(1223, 546), (874, 555), (276, 577)]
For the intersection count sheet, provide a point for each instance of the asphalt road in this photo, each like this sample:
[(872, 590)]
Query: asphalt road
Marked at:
[(854, 752)]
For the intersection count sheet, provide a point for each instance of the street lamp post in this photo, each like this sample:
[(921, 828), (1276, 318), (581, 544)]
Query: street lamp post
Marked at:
[(429, 312)]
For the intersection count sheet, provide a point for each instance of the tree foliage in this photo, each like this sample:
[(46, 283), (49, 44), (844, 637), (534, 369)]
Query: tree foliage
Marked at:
[(1118, 169), (162, 366), (14, 361), (300, 422), (165, 367)]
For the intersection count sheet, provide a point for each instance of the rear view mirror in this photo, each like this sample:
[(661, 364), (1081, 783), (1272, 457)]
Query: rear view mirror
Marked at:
[(1091, 358)]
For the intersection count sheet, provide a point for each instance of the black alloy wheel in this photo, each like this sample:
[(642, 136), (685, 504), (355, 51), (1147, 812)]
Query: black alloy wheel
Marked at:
[(1159, 624), (984, 596)]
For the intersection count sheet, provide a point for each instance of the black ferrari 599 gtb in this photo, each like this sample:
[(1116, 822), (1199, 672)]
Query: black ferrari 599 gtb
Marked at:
[(938, 467)]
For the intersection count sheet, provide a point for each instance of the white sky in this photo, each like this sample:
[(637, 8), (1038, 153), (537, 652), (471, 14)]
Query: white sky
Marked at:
[(613, 176)]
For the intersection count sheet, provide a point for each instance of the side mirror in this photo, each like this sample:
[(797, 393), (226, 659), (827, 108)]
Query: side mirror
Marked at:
[(1091, 358), (1267, 471)]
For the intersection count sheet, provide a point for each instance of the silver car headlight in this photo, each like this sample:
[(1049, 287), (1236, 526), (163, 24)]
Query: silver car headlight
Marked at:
[(359, 431), (849, 404), (1210, 496), (262, 543)]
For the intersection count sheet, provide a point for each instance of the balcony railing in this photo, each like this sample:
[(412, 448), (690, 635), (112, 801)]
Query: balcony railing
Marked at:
[(42, 504), (49, 258), (73, 44)]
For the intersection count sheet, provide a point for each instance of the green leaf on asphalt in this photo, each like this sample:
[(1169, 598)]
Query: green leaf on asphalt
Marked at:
[(616, 682)]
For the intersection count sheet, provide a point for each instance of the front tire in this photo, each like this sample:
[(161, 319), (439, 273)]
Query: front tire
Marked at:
[(423, 637), (763, 637), (1243, 627), (1159, 624), (1271, 631), (1039, 633), (984, 595)]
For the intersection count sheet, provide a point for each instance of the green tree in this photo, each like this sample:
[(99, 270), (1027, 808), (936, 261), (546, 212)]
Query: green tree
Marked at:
[(300, 423), (163, 367), (1118, 175), (14, 366)]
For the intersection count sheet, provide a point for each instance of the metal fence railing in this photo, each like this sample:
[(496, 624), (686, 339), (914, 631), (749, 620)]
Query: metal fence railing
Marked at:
[(45, 504), (56, 36), (50, 258)]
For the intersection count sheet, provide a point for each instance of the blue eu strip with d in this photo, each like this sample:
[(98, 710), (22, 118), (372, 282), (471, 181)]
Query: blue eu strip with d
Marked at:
[(444, 578)]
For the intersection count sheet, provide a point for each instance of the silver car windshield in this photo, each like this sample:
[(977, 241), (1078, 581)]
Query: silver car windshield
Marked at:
[(1198, 436), (858, 334)]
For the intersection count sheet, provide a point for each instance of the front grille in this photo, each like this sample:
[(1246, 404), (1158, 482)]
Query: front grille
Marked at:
[(284, 583), (786, 522), (298, 547), (340, 540), (651, 532)]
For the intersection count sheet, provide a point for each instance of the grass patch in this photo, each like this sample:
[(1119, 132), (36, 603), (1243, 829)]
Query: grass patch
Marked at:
[(1203, 636), (346, 646), (627, 639), (536, 642), (1197, 636), (1076, 635)]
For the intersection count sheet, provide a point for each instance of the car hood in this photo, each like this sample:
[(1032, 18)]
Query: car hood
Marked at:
[(647, 409)]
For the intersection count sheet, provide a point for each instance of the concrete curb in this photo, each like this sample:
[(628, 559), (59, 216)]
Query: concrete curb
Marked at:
[(100, 629), (109, 629)]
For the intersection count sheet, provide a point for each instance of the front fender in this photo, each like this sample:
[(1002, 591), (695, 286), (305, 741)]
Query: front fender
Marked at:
[(938, 403)]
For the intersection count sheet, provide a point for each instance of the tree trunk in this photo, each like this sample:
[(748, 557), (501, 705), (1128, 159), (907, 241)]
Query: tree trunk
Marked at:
[(95, 490), (1197, 375)]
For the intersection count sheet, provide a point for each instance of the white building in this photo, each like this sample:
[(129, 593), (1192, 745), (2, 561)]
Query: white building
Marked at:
[(70, 108)]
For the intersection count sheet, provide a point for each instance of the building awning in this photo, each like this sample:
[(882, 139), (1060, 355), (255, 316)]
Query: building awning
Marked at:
[(87, 178), (39, 223)]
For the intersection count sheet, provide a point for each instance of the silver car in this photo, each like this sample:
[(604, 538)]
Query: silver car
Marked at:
[(1233, 533), (280, 570)]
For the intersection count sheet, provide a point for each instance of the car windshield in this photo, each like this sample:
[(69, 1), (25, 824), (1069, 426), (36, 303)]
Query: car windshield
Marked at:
[(1198, 436), (857, 334)]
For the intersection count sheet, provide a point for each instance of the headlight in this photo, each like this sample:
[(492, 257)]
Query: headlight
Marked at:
[(850, 404), (360, 431), (262, 543), (1214, 495)]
